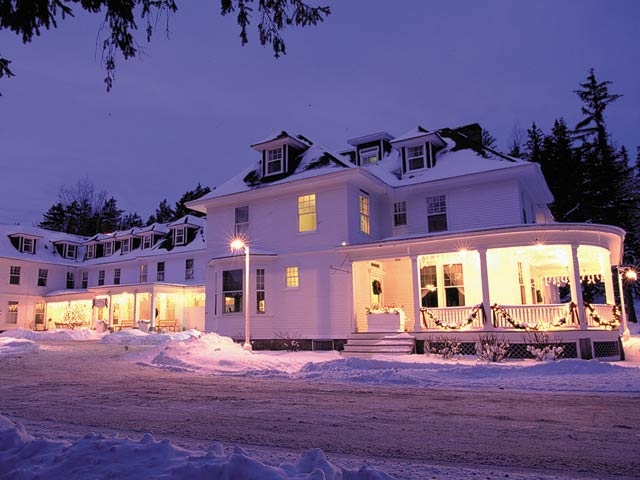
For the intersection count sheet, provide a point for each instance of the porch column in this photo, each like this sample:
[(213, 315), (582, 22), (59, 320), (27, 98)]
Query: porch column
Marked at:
[(486, 299), (352, 312), (152, 306), (135, 309), (576, 286), (415, 277), (110, 309)]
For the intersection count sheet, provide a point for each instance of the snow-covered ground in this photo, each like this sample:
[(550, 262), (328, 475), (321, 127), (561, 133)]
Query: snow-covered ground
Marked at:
[(96, 455)]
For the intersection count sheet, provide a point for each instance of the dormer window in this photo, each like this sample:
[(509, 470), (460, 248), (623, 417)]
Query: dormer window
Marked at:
[(419, 157), (125, 246), (91, 250), (179, 236), (108, 249), (70, 251), (147, 242), (275, 162), (369, 156), (28, 245)]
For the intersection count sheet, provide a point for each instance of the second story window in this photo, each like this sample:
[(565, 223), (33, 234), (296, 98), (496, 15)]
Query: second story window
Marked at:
[(160, 272), (14, 275), (365, 226), (275, 162), (70, 282), (437, 213), (188, 269), (101, 277), (399, 214), (116, 276), (144, 273), (85, 280), (42, 277), (241, 226), (179, 236), (307, 213), (292, 280)]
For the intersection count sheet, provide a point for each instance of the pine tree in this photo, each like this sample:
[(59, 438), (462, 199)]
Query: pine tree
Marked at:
[(55, 218), (182, 210), (534, 143), (601, 193), (163, 214)]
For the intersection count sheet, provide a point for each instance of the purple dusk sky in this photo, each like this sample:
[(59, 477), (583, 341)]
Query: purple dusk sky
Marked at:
[(187, 110)]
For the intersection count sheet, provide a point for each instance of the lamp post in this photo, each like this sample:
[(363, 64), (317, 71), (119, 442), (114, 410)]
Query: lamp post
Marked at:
[(238, 245), (629, 274)]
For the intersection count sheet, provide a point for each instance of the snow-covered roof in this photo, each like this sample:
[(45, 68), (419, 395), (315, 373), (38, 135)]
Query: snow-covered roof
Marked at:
[(45, 250), (458, 154), (189, 220)]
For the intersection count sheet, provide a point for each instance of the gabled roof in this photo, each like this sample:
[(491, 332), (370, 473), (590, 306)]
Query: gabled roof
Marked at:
[(282, 137), (188, 220), (372, 137), (418, 132)]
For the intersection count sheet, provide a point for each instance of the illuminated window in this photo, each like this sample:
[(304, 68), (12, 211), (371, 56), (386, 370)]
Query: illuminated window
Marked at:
[(241, 226), (274, 161), (42, 277), (437, 213), (70, 282), (116, 276), (260, 297), (307, 213), (399, 213), (369, 156), (291, 276), (453, 285), (144, 273), (101, 277), (232, 290), (39, 316), (364, 213), (12, 310), (188, 269), (14, 275), (429, 286)]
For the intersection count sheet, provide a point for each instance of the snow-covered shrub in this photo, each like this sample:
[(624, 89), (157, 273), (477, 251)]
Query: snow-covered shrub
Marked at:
[(492, 348), (543, 347), (446, 347), (290, 341)]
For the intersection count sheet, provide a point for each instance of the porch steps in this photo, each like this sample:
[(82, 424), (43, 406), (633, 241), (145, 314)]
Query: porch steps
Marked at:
[(372, 344)]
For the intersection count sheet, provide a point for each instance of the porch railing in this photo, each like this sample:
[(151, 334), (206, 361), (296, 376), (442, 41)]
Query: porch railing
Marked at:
[(535, 317), (520, 317)]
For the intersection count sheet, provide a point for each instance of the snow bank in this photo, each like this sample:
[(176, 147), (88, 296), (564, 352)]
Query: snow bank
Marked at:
[(54, 335), (132, 336), (96, 456), (17, 346)]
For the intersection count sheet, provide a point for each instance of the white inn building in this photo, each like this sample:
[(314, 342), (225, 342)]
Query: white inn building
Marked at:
[(399, 242)]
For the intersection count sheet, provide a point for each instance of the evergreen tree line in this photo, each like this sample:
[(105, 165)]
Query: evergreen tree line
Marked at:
[(591, 179), (81, 210)]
